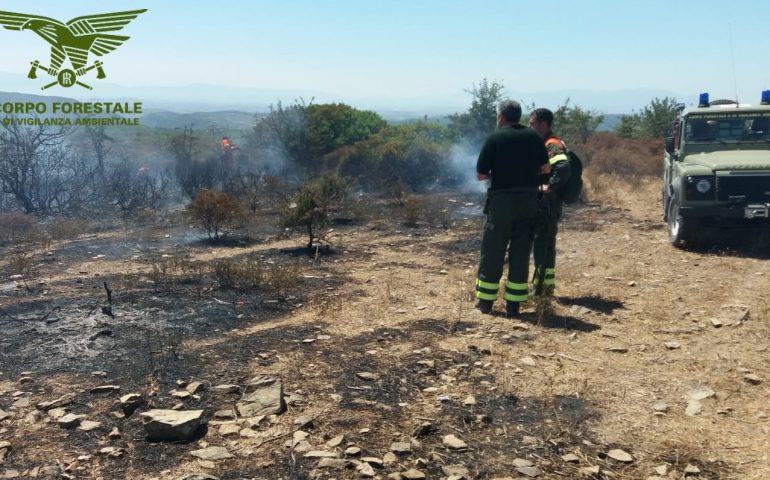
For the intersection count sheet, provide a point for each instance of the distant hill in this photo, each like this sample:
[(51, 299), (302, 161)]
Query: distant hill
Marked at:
[(229, 119), (13, 97)]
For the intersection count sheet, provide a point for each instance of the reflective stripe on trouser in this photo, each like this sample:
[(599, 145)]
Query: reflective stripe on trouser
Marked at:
[(486, 290), (509, 224), (515, 292), (548, 280)]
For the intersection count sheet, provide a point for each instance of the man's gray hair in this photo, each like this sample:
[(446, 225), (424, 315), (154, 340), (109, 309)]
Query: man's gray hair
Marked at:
[(510, 110)]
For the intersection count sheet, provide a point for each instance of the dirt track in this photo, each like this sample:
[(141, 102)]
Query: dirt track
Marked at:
[(632, 328)]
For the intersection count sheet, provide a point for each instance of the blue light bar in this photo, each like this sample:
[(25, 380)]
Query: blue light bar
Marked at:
[(703, 100), (765, 97)]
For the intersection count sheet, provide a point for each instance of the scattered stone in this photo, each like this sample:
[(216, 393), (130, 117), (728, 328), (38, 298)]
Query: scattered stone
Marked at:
[(229, 429), (3, 415), (570, 457), (57, 413), (114, 433), (531, 472), (528, 362), (24, 380), (105, 389), (212, 453), (694, 407), (459, 471), (373, 461), (320, 454), (716, 323), (70, 420), (401, 448), (413, 474), (353, 451), (130, 402), (50, 471), (171, 425), (520, 462), (11, 474), (336, 441), (305, 421), (753, 379), (691, 469), (367, 376), (469, 400), (195, 387), (590, 471), (334, 463), (617, 349), (226, 389), (264, 396), (620, 456), (701, 393), (198, 476), (389, 458), (425, 429), (225, 414), (180, 394), (661, 470), (672, 345), (365, 470), (62, 401), (88, 425), (454, 443), (530, 441), (112, 452), (20, 403), (661, 407)]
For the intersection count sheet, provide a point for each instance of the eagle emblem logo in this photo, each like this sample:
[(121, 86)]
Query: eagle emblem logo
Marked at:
[(74, 41)]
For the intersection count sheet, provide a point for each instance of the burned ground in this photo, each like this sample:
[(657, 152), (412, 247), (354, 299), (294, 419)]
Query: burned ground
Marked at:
[(634, 324)]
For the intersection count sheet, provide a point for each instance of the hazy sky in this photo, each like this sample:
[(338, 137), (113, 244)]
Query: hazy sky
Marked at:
[(424, 51)]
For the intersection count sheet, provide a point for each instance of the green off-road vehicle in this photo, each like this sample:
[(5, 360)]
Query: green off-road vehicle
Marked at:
[(717, 169)]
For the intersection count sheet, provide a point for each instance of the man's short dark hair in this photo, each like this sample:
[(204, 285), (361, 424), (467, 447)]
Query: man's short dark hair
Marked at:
[(510, 110), (543, 115)]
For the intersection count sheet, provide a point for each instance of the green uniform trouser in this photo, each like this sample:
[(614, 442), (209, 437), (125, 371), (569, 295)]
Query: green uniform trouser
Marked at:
[(511, 215), (546, 228)]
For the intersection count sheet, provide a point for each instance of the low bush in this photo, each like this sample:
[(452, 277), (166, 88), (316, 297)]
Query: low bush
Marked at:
[(215, 211)]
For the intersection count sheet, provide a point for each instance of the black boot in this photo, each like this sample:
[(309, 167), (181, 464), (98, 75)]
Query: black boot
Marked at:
[(512, 309), (484, 306)]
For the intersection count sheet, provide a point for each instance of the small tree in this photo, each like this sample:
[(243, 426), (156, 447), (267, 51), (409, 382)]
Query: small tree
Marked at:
[(312, 203), (481, 118), (628, 127), (215, 211), (656, 118), (575, 123)]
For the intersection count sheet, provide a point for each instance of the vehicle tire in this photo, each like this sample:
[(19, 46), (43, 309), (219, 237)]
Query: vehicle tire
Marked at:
[(681, 231), (666, 201)]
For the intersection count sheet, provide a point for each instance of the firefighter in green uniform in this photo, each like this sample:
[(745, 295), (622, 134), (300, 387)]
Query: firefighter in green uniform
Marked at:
[(550, 204), (512, 158)]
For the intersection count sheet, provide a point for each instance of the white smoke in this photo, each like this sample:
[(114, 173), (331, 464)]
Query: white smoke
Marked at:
[(463, 157)]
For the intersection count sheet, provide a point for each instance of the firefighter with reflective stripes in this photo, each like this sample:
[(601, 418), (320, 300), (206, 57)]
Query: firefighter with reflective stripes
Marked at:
[(544, 278), (512, 159)]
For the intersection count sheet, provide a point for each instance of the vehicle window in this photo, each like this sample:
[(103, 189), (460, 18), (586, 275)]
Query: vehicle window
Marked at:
[(725, 129)]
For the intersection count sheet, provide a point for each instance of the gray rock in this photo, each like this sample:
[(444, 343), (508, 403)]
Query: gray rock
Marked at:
[(229, 429), (520, 462), (62, 401), (694, 407), (531, 472), (3, 415), (105, 389), (264, 396), (70, 420), (212, 453), (413, 474), (661, 407), (365, 470), (333, 463), (226, 388), (130, 402), (112, 452), (320, 454), (701, 393), (620, 456), (673, 345), (367, 376), (571, 458), (195, 387), (753, 379), (373, 461), (171, 425), (401, 448), (691, 469), (88, 425), (335, 442), (456, 470), (454, 443), (114, 433), (198, 476), (353, 451)]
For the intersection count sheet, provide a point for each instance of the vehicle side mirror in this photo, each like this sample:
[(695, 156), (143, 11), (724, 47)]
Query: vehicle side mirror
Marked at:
[(670, 145)]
